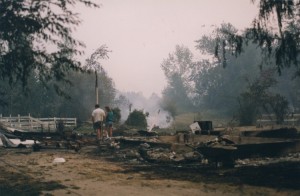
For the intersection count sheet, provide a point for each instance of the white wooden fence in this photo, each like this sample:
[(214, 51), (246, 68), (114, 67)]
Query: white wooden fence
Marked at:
[(270, 119), (29, 123)]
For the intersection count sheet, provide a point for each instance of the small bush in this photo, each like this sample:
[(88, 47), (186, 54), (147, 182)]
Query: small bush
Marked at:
[(136, 118)]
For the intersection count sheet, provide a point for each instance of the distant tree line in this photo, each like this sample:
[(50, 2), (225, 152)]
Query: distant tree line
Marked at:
[(244, 89), (39, 68), (248, 86), (41, 101), (47, 82), (36, 41)]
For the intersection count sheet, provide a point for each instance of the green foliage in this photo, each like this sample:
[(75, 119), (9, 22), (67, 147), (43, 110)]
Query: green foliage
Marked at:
[(255, 98), (205, 85), (223, 40), (279, 105), (248, 110), (258, 98), (243, 90), (136, 118), (176, 96), (169, 105), (92, 63), (44, 102), (278, 40), (27, 30), (217, 88), (117, 115)]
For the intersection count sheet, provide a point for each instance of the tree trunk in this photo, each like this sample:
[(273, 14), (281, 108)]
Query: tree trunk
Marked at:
[(96, 88)]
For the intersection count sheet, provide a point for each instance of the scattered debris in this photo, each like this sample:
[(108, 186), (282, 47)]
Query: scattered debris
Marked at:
[(59, 160), (183, 148), (15, 143)]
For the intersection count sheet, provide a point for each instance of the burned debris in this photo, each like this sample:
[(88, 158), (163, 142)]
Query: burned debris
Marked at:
[(200, 145), (12, 138), (219, 148)]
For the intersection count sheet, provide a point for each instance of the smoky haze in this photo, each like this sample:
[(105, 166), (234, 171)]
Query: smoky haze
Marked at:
[(157, 116), (141, 33)]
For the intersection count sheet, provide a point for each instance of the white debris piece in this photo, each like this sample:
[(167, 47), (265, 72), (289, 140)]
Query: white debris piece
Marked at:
[(59, 160), (14, 143), (195, 127)]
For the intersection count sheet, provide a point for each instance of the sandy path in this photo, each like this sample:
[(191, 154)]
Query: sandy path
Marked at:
[(86, 173)]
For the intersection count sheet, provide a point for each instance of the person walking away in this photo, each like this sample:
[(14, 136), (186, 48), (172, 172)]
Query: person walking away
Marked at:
[(98, 115), (109, 120)]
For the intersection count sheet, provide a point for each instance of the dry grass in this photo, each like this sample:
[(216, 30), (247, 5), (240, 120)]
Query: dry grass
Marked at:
[(182, 122)]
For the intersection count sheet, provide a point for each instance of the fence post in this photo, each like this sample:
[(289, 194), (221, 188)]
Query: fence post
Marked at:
[(30, 122), (19, 120), (54, 126), (10, 120)]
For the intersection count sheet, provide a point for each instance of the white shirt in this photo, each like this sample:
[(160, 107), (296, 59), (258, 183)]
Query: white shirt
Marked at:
[(98, 115)]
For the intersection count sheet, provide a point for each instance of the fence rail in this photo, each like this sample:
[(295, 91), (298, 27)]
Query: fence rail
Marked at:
[(270, 119), (37, 124)]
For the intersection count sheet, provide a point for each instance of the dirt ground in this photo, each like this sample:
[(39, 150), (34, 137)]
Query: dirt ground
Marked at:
[(94, 171)]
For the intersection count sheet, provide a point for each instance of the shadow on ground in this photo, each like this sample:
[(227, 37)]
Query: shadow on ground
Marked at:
[(281, 175), (16, 183)]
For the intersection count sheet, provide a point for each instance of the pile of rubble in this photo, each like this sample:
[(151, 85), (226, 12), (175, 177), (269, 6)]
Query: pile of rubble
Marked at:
[(154, 149), (165, 155)]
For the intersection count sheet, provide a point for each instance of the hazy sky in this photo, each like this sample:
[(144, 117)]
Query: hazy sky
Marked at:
[(141, 33)]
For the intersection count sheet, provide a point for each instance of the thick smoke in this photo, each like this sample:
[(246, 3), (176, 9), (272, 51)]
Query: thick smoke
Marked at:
[(157, 116)]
